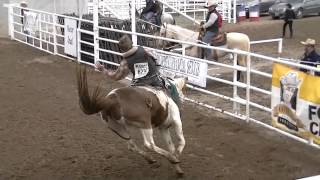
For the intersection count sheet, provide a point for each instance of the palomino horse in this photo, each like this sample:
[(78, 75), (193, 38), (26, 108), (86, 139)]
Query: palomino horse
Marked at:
[(235, 40), (141, 107)]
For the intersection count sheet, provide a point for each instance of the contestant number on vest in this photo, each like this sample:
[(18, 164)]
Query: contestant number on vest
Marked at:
[(140, 70)]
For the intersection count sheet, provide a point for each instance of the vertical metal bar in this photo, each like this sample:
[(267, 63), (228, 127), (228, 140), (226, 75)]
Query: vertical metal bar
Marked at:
[(78, 43), (248, 88), (194, 10), (280, 46), (47, 37), (229, 10), (236, 106), (133, 22), (310, 141), (54, 19), (96, 30), (234, 11), (10, 22), (40, 30), (183, 49), (54, 6)]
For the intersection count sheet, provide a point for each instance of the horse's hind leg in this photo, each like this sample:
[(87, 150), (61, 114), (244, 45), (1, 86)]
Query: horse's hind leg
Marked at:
[(165, 133), (177, 124), (132, 146), (149, 143), (167, 138)]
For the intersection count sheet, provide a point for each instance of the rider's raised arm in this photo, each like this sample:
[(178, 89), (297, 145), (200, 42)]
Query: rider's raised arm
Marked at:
[(120, 73)]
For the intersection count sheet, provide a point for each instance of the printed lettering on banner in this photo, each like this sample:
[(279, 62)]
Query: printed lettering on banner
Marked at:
[(171, 66), (70, 40)]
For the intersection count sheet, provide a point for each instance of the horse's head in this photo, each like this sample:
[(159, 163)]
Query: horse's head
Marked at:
[(167, 32)]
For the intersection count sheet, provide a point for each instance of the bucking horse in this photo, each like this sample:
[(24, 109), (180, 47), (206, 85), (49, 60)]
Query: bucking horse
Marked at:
[(139, 107)]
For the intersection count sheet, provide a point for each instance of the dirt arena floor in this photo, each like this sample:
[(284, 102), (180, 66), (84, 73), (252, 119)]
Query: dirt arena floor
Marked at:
[(44, 135)]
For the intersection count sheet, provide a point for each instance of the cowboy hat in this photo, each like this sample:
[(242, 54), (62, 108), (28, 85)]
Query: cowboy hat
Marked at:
[(211, 3), (309, 42)]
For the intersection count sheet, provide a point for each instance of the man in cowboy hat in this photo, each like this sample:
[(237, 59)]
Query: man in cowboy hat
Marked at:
[(143, 67), (310, 56), (212, 25), (136, 60)]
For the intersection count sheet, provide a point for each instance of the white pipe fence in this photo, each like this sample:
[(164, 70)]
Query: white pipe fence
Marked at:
[(46, 39)]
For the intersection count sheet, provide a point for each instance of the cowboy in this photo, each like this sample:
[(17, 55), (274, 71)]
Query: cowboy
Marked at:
[(289, 15), (137, 61), (212, 25), (143, 67), (310, 56), (23, 4)]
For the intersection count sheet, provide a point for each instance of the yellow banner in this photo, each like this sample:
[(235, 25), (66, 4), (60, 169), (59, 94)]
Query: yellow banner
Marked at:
[(295, 102)]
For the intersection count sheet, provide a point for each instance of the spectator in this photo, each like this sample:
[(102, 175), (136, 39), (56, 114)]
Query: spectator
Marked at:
[(289, 15), (150, 10), (310, 56), (23, 4)]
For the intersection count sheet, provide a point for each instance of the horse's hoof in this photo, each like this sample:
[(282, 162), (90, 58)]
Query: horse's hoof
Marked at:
[(174, 160), (155, 165), (151, 160), (179, 171)]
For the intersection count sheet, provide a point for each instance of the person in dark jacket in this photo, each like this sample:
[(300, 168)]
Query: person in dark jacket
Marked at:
[(310, 56), (151, 10), (212, 25), (289, 15)]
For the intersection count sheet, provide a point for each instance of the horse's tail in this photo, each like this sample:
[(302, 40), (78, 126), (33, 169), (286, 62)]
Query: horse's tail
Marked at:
[(89, 103)]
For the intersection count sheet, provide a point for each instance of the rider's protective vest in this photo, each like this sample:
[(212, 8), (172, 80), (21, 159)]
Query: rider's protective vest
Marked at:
[(143, 67), (217, 24)]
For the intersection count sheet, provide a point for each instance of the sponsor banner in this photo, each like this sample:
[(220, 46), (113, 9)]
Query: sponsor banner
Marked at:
[(31, 22), (296, 102), (70, 38), (181, 66)]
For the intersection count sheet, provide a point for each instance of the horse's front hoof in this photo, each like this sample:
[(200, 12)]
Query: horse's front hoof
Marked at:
[(150, 160)]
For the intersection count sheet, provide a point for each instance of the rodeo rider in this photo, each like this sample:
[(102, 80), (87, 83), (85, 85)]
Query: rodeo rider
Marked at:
[(143, 67)]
